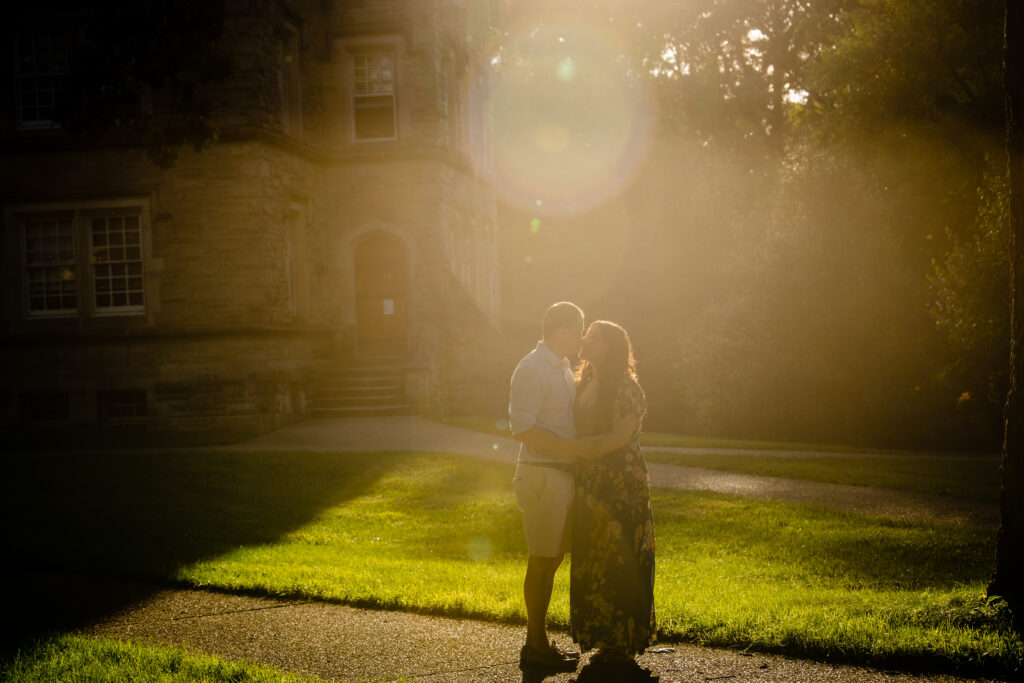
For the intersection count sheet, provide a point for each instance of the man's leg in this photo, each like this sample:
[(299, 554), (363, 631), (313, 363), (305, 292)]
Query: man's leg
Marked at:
[(537, 587)]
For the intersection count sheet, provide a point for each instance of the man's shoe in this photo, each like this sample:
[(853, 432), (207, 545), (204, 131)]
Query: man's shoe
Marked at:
[(550, 660)]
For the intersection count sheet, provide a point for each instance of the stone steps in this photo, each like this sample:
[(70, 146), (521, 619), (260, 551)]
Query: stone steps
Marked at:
[(362, 387)]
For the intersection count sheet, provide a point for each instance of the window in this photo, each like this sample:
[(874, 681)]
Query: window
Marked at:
[(83, 260), (50, 277), (296, 262), (373, 95), (117, 263), (288, 79), (42, 66), (455, 97)]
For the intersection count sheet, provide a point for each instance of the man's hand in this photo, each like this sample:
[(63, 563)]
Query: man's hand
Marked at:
[(546, 444)]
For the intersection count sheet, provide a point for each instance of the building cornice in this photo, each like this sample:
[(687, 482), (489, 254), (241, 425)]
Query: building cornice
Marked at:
[(69, 337), (56, 143)]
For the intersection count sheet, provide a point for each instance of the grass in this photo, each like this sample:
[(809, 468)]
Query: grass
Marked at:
[(974, 478), (441, 534), (82, 658)]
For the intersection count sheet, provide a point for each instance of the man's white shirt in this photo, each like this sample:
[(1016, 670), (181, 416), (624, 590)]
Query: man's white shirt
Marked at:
[(542, 395)]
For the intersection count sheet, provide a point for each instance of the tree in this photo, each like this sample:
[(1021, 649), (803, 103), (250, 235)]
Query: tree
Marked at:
[(125, 52), (909, 98), (1008, 579), (734, 69), (970, 302)]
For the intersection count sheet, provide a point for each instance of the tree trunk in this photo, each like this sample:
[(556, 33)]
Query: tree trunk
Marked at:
[(1008, 579)]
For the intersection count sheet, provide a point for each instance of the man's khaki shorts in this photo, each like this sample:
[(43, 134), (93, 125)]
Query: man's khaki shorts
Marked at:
[(545, 494)]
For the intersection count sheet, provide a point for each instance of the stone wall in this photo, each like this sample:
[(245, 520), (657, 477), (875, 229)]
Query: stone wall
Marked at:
[(220, 344), (248, 381), (248, 245)]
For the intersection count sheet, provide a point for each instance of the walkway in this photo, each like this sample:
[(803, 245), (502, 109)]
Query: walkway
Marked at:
[(348, 644), (416, 434)]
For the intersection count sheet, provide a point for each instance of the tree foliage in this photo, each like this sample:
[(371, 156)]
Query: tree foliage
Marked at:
[(140, 72), (809, 223), (735, 67)]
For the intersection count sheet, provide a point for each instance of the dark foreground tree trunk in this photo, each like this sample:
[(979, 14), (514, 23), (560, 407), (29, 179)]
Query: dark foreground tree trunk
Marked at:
[(1008, 580)]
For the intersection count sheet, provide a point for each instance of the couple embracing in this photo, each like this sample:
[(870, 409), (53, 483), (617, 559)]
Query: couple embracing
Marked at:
[(583, 487)]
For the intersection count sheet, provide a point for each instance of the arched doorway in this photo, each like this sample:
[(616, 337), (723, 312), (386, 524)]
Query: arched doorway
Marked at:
[(382, 300)]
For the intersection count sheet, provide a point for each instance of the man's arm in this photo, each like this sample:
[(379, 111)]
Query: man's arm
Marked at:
[(547, 444), (525, 401)]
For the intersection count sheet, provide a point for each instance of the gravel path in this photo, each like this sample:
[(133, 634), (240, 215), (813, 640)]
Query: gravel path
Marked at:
[(347, 644), (415, 434)]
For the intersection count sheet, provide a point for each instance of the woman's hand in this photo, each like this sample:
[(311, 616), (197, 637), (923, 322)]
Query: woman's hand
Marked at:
[(620, 435), (587, 448)]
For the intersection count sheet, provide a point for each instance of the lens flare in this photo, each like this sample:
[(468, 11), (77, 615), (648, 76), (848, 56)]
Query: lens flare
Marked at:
[(552, 137), (570, 122), (566, 70)]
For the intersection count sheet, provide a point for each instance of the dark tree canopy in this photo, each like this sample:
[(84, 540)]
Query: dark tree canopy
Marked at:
[(138, 70)]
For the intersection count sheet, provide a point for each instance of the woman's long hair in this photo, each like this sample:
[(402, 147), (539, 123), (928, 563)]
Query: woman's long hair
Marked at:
[(617, 364)]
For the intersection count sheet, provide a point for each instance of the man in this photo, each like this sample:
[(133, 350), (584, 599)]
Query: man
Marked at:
[(540, 414)]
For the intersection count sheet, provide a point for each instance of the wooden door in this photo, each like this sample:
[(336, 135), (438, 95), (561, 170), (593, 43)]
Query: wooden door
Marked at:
[(382, 300)]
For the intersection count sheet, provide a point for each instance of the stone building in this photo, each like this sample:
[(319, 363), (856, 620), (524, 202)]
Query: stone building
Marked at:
[(342, 221)]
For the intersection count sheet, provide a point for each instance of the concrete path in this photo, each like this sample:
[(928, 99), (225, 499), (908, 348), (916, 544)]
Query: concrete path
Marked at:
[(416, 434), (347, 644)]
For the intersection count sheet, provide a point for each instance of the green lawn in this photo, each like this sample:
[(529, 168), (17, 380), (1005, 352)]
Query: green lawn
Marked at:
[(99, 660), (81, 658), (441, 534), (975, 477)]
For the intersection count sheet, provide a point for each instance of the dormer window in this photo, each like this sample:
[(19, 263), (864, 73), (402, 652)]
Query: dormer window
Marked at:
[(373, 95)]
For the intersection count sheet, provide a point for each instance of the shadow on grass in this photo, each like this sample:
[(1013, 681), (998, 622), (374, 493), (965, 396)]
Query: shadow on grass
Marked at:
[(143, 516), (850, 549)]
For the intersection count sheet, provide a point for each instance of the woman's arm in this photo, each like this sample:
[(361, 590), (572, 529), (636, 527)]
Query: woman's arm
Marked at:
[(549, 444), (620, 434)]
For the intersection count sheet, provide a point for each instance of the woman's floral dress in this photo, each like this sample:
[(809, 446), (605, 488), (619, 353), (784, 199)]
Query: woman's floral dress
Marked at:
[(611, 593)]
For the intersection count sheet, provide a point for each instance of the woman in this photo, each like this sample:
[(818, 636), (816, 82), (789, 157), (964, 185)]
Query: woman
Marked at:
[(611, 591)]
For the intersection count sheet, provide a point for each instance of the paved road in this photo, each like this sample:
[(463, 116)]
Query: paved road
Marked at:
[(416, 434)]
